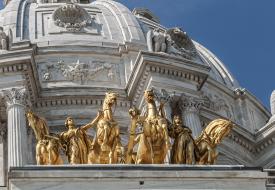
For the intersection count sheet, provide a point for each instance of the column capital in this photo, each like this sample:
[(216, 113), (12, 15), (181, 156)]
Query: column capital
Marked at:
[(14, 96)]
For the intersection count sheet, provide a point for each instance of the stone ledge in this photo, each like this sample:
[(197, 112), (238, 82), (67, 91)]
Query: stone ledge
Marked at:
[(136, 177)]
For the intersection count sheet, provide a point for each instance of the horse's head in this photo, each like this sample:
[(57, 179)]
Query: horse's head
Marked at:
[(218, 129), (149, 95), (32, 118), (110, 98)]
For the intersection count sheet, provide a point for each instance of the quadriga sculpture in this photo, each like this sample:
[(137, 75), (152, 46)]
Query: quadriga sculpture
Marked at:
[(210, 137), (47, 148), (153, 142), (106, 146)]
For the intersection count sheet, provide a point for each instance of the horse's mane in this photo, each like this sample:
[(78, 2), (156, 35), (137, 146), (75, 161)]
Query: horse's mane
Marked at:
[(41, 124), (216, 129)]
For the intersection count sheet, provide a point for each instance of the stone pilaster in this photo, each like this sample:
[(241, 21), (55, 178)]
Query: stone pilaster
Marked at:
[(17, 135), (190, 113)]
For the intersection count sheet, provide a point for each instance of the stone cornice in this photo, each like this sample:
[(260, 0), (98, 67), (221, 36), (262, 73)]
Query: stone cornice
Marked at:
[(180, 69), (79, 100), (21, 61)]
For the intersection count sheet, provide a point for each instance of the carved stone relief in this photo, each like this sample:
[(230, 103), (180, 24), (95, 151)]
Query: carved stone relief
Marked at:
[(180, 44), (173, 41), (72, 17), (3, 40), (80, 72)]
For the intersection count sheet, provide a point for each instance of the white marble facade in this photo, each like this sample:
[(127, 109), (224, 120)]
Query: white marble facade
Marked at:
[(60, 66)]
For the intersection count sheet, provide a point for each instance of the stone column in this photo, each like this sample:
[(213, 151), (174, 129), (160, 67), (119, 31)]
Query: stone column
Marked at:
[(3, 132), (17, 135), (190, 114)]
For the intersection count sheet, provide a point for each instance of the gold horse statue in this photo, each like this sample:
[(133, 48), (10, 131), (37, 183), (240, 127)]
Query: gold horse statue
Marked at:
[(210, 137), (47, 147), (106, 146), (153, 142)]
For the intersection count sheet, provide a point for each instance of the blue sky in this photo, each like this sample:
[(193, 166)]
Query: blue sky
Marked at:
[(239, 32)]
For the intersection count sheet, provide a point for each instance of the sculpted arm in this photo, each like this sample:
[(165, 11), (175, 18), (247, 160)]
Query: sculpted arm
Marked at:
[(92, 123)]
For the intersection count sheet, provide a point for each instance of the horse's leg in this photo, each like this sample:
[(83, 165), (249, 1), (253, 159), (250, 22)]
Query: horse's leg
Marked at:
[(166, 136), (210, 155), (38, 154), (203, 153), (190, 153), (54, 157)]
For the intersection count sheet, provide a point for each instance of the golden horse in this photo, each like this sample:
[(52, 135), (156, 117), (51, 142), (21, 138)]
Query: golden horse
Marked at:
[(210, 137), (153, 142), (47, 147), (106, 146)]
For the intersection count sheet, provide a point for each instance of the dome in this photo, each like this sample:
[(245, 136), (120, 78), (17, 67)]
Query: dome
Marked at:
[(107, 24), (104, 24)]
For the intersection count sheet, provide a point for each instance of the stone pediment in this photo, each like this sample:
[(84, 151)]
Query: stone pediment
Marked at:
[(169, 67)]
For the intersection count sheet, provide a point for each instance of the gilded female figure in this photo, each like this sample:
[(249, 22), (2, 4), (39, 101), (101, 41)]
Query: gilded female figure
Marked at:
[(76, 141)]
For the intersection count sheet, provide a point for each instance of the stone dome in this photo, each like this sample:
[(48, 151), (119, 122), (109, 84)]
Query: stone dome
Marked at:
[(109, 25)]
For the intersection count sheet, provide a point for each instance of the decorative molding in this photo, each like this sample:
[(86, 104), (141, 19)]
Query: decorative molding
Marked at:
[(72, 17), (145, 13), (70, 101)]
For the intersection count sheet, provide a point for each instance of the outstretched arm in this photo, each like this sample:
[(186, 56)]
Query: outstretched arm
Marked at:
[(92, 123)]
